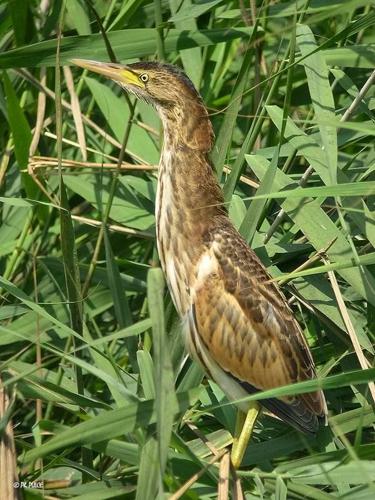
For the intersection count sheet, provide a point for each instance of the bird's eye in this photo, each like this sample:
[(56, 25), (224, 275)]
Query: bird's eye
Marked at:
[(144, 77)]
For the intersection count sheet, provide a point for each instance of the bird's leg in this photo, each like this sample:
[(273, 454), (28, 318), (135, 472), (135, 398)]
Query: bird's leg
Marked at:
[(243, 431)]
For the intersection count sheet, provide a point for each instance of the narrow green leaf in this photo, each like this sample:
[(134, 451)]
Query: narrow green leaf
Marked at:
[(189, 11), (21, 20), (107, 425), (321, 96), (120, 301), (255, 210), (331, 382), (163, 375), (224, 137), (21, 134), (288, 8), (18, 123), (126, 208), (355, 56), (330, 473), (78, 17), (191, 58), (363, 260), (70, 259), (146, 373), (26, 202), (25, 299), (319, 229), (313, 153), (347, 83), (148, 482), (345, 189), (105, 369), (33, 387), (127, 44)]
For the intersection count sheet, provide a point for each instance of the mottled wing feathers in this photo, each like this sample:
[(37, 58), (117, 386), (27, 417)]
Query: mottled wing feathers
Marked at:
[(248, 329), (237, 344)]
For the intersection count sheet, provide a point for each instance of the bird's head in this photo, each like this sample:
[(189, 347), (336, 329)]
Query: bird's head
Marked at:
[(159, 84), (168, 89)]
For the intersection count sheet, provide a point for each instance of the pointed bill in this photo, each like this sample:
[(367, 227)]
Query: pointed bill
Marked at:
[(118, 72)]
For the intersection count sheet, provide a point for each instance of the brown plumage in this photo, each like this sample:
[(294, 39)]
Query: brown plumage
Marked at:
[(236, 322)]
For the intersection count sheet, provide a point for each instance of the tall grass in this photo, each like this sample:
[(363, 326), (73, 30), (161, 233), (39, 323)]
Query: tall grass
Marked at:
[(98, 399)]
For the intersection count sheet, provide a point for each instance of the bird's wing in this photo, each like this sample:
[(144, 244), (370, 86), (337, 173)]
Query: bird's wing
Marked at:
[(246, 325)]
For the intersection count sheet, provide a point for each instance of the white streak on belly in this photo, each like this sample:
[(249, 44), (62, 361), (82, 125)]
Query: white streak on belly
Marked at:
[(207, 265)]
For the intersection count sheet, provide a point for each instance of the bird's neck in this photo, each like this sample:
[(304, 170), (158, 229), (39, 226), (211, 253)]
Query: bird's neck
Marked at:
[(189, 200), (188, 182), (188, 126)]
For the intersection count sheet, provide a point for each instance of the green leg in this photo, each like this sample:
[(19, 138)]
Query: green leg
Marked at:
[(242, 434)]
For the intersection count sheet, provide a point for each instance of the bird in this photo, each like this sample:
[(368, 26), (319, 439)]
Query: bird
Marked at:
[(236, 322)]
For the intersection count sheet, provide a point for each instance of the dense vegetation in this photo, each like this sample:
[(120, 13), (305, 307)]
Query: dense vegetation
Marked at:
[(102, 401)]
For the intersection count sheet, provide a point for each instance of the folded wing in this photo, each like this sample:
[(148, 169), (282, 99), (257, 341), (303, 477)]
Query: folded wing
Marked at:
[(247, 328)]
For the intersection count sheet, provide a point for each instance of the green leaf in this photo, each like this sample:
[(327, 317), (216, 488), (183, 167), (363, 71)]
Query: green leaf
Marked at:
[(224, 138), (120, 300), (21, 134), (332, 382), (21, 18), (70, 260), (127, 44), (345, 189), (319, 229), (163, 375), (255, 210), (149, 474), (331, 473), (363, 260), (107, 425), (321, 96), (78, 17), (356, 56), (18, 123), (25, 202), (330, 8), (146, 373), (126, 209), (347, 83), (191, 58), (313, 153), (25, 299), (46, 387), (189, 11)]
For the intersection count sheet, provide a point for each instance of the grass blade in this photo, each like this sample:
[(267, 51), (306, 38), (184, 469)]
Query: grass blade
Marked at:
[(163, 375)]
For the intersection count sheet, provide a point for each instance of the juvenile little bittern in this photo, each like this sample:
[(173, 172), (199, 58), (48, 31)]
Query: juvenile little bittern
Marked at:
[(236, 322)]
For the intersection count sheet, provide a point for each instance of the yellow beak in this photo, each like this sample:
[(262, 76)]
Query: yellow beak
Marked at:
[(117, 72)]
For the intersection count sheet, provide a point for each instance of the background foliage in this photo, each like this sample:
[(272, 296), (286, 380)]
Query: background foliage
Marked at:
[(103, 401)]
